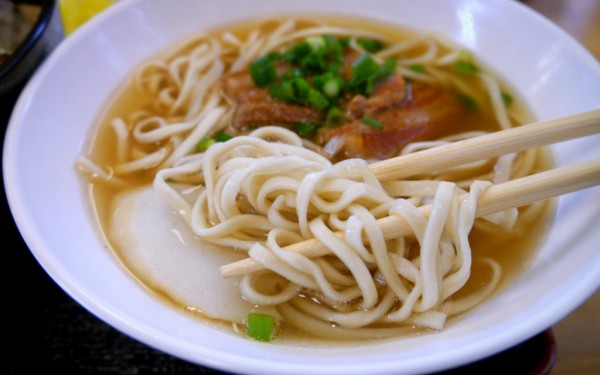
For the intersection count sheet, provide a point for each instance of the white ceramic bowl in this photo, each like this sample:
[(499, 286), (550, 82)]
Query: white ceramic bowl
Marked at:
[(52, 122)]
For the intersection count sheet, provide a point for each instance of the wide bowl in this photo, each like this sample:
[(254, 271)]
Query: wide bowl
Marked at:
[(57, 112)]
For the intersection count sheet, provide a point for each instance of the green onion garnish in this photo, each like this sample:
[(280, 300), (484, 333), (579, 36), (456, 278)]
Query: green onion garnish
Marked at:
[(306, 129), (372, 122), (222, 137), (465, 64), (261, 327), (367, 73), (417, 68), (263, 71), (317, 100), (335, 117), (332, 88), (507, 99), (464, 67), (370, 45), (315, 75), (204, 144), (316, 43), (468, 102)]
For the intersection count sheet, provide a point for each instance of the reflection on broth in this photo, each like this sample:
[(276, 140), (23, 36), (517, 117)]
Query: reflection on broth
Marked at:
[(249, 138)]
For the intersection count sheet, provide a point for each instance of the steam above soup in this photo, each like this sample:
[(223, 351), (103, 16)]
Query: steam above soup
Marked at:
[(244, 140)]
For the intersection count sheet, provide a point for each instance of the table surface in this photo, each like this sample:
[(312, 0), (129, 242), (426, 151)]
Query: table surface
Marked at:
[(60, 335)]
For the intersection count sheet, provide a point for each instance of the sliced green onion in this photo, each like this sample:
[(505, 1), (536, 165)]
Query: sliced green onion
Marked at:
[(507, 99), (343, 42), (370, 45), (330, 84), (222, 137), (367, 73), (364, 65), (306, 129), (332, 88), (204, 144), (417, 68), (372, 122), (335, 117), (297, 53), (468, 102), (317, 100), (261, 327), (384, 70), (465, 67), (316, 43), (301, 88), (263, 71), (465, 64), (283, 91)]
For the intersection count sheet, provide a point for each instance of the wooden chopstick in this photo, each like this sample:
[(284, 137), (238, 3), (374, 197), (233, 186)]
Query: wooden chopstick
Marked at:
[(488, 146), (510, 194), (514, 193)]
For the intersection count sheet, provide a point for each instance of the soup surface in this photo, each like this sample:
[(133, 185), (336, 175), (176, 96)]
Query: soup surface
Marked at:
[(306, 105)]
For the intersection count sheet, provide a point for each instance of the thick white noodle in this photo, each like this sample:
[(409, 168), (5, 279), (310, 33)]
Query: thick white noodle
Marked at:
[(291, 194)]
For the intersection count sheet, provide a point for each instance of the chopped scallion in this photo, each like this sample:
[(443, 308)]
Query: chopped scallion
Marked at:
[(204, 144), (335, 117), (417, 68), (332, 88), (465, 67), (364, 65), (261, 327), (367, 73), (370, 45), (222, 137), (507, 99), (263, 71), (465, 64), (316, 43), (468, 102), (317, 100), (372, 122), (306, 129)]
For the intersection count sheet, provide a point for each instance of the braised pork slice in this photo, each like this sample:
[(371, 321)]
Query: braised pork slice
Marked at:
[(404, 113), (255, 107), (386, 95), (424, 114)]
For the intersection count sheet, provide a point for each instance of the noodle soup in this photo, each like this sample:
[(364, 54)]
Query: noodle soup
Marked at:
[(248, 139)]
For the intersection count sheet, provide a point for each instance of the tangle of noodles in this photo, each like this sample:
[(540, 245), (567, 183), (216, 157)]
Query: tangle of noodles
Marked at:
[(268, 188)]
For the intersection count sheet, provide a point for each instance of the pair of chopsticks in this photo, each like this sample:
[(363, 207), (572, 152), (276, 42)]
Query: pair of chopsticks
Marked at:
[(514, 193)]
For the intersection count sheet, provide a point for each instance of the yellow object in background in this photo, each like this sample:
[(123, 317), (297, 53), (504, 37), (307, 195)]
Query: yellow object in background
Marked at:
[(74, 13)]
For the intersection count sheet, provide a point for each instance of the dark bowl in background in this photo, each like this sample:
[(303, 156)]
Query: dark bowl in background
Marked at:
[(45, 35)]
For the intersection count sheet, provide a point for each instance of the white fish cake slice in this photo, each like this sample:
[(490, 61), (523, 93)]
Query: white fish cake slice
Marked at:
[(157, 244)]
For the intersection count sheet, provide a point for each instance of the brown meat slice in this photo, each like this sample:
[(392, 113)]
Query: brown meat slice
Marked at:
[(255, 107), (425, 114), (386, 95), (274, 113), (239, 88)]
